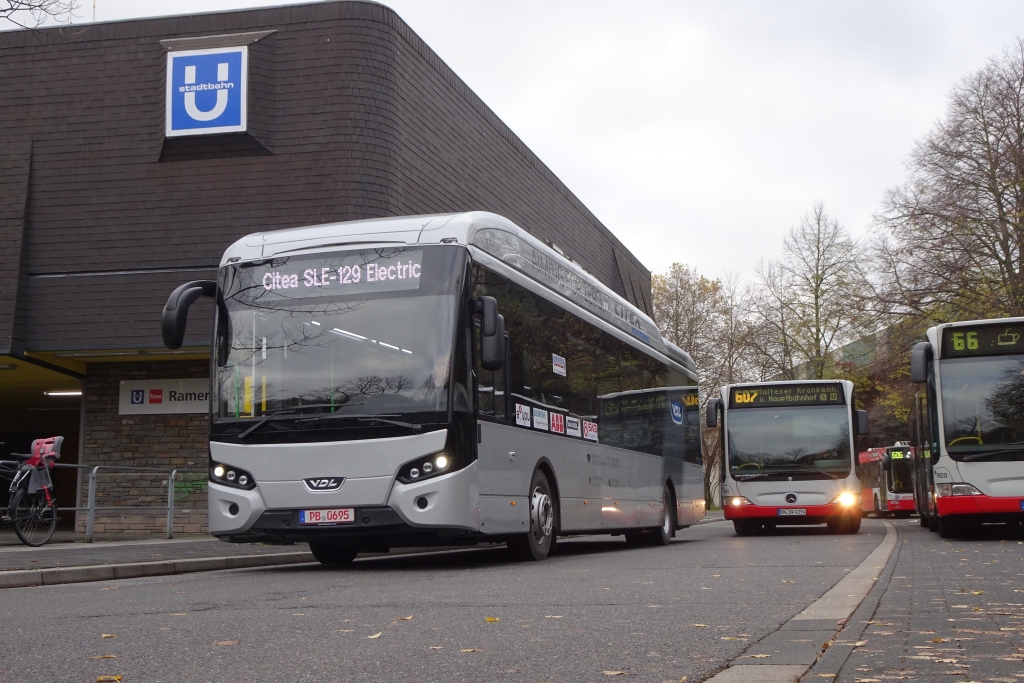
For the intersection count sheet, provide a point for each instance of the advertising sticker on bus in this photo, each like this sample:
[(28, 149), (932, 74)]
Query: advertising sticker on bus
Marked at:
[(558, 423), (522, 415), (540, 419), (572, 426), (557, 364), (590, 430)]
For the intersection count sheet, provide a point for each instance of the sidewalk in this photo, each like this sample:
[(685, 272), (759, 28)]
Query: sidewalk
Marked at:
[(68, 559)]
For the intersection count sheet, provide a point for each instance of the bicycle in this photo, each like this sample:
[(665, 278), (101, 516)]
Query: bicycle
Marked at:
[(32, 509)]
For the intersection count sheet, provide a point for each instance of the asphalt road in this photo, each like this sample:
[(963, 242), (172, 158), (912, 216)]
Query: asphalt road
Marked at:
[(657, 614)]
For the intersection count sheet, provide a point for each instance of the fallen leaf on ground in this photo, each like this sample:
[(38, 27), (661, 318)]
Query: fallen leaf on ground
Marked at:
[(683, 679), (869, 680), (108, 679), (299, 614), (109, 635), (940, 640), (180, 614), (376, 635), (701, 625), (946, 661), (730, 638), (435, 647), (758, 656), (977, 592), (552, 616), (860, 643), (471, 649), (346, 630), (614, 673), (408, 618), (826, 675), (103, 657), (225, 642), (493, 618)]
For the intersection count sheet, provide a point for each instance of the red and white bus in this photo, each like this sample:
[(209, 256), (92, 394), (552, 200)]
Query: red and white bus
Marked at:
[(887, 480)]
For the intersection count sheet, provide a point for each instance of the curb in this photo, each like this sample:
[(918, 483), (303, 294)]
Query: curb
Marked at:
[(106, 572)]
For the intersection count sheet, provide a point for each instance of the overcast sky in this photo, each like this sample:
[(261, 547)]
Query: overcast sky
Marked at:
[(701, 132)]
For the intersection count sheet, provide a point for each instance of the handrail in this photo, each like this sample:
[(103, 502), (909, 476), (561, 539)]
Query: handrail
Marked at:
[(91, 506)]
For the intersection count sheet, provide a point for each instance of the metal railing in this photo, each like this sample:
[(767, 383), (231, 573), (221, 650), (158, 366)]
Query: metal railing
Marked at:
[(91, 507)]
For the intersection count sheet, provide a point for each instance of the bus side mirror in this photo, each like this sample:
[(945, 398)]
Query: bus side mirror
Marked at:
[(919, 357), (175, 316), (887, 463), (711, 412), (492, 334), (862, 422)]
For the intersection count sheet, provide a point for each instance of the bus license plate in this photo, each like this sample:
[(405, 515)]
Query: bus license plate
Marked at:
[(784, 512), (329, 516)]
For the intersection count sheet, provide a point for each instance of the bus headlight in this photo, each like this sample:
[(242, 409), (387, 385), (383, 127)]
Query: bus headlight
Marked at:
[(234, 477), (425, 467), (737, 501), (846, 499)]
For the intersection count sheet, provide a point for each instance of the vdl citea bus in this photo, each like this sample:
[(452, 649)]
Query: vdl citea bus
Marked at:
[(789, 454), (968, 424), (437, 380), (887, 480)]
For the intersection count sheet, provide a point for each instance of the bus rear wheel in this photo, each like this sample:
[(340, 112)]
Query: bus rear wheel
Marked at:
[(661, 535), (332, 554), (535, 544)]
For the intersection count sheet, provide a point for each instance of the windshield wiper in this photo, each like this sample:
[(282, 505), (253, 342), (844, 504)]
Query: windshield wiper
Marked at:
[(986, 454), (271, 416), (366, 418), (408, 425), (802, 468)]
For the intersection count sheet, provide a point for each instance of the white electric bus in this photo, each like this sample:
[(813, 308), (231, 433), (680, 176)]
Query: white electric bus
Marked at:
[(968, 424), (437, 380), (789, 454)]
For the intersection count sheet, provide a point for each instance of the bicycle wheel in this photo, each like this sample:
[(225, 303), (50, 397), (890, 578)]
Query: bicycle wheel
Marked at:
[(34, 520)]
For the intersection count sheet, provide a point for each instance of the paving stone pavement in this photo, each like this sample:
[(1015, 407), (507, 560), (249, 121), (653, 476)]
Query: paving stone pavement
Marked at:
[(953, 610)]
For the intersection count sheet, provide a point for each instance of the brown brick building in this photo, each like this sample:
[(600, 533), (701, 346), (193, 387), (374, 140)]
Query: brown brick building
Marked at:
[(348, 115)]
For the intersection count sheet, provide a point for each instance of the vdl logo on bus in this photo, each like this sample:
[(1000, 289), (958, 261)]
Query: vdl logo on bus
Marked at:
[(207, 91)]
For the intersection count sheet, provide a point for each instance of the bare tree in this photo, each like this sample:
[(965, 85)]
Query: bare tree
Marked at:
[(35, 13), (949, 240), (811, 301)]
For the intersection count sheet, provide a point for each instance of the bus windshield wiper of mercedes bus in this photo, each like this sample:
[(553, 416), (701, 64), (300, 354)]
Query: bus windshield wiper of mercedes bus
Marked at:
[(989, 454)]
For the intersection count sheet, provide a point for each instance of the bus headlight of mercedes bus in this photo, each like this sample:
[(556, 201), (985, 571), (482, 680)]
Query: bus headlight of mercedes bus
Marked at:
[(846, 499), (737, 501), (234, 477), (425, 467), (942, 490)]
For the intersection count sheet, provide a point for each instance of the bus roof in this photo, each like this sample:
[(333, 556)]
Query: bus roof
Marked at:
[(489, 232)]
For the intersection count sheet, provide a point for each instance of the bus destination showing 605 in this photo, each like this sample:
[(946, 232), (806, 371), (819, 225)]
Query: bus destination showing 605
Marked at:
[(763, 396)]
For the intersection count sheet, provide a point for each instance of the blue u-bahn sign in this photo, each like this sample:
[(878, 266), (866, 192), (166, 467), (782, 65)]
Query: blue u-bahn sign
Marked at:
[(206, 91)]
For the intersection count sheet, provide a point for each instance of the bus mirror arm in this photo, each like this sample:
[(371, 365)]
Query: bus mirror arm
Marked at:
[(175, 315), (919, 357), (862, 422), (711, 412)]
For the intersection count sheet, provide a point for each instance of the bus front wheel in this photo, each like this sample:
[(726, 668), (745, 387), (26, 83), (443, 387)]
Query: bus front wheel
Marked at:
[(537, 542), (949, 527), (844, 525), (744, 527)]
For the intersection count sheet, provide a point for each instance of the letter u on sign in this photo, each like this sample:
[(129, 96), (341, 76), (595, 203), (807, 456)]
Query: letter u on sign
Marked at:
[(207, 91)]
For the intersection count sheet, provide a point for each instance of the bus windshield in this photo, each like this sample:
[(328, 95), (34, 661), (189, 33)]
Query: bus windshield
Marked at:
[(353, 333), (983, 407), (802, 442), (901, 471)]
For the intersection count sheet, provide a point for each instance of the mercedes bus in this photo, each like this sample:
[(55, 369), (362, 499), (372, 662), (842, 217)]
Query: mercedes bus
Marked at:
[(968, 424), (437, 380), (887, 480), (788, 454)]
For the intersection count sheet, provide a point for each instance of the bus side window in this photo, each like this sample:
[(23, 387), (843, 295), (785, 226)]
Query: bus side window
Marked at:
[(491, 386)]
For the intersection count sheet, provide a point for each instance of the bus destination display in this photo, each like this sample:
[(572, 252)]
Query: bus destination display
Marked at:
[(360, 272), (778, 396), (982, 340)]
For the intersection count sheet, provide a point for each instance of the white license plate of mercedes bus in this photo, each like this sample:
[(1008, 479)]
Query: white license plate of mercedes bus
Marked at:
[(328, 516), (794, 512)]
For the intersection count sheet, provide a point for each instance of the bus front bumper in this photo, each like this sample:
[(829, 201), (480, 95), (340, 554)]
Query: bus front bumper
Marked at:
[(900, 505), (790, 514), (985, 508)]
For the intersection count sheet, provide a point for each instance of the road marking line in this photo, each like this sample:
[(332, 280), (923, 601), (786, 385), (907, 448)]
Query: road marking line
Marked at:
[(840, 602)]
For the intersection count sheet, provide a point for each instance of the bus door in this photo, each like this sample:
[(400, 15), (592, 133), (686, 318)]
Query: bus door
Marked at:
[(920, 438)]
